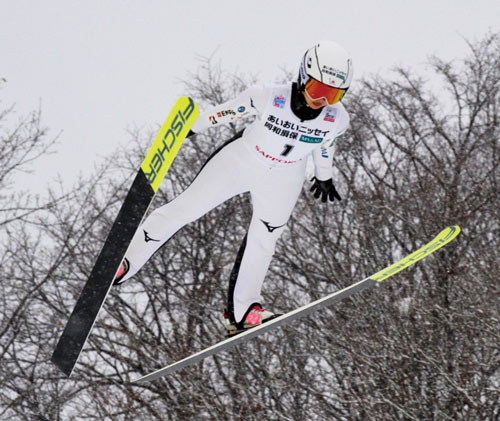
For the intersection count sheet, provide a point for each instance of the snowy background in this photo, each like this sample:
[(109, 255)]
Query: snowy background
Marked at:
[(99, 68), (422, 153)]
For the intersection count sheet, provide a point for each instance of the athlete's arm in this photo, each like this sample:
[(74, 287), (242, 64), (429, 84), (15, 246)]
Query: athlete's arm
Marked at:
[(323, 186), (323, 155), (249, 102)]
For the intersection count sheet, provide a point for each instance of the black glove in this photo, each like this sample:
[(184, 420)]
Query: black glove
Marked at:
[(325, 189)]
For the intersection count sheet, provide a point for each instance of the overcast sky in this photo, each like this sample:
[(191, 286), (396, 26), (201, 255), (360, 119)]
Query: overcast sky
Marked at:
[(100, 67)]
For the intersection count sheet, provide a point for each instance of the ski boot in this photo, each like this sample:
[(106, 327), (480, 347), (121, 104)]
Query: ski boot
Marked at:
[(254, 316), (122, 271)]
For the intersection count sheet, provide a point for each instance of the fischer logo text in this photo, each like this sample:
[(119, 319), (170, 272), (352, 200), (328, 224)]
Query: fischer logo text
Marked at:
[(168, 142)]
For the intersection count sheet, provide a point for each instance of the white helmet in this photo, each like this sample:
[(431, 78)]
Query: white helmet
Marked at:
[(328, 63)]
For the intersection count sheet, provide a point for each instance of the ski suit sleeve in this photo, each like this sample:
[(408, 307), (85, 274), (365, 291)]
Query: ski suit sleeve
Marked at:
[(323, 155), (249, 102)]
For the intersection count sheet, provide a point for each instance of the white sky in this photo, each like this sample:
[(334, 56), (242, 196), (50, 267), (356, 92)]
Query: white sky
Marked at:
[(100, 67)]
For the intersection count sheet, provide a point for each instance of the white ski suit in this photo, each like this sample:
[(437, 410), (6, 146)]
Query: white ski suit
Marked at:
[(269, 161)]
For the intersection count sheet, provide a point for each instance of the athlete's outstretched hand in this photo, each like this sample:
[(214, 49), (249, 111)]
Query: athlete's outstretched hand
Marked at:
[(325, 189)]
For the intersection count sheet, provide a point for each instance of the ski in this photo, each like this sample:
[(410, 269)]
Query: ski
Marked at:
[(443, 238), (144, 187)]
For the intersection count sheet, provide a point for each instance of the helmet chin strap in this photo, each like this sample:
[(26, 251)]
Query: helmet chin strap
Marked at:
[(299, 105)]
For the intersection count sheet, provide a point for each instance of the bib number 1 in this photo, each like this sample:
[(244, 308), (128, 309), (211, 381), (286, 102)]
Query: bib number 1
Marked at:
[(287, 149)]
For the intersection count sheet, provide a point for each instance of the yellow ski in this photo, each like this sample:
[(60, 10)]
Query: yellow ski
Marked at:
[(443, 238)]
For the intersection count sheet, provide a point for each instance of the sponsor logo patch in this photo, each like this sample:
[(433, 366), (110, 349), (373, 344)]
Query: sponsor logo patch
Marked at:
[(279, 101), (272, 158), (159, 156), (330, 115), (334, 72), (310, 139), (225, 113), (324, 152), (289, 129)]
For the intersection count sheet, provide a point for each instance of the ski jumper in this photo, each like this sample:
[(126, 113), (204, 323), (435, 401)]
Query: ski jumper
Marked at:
[(269, 162)]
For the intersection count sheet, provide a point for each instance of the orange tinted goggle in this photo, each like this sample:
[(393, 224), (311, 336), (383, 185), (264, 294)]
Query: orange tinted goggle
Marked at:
[(318, 90)]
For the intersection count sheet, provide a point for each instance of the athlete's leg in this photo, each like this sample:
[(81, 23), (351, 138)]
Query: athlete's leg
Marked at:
[(273, 203), (222, 177)]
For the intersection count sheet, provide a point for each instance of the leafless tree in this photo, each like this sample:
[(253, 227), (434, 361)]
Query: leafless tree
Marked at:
[(23, 140), (26, 262), (424, 345)]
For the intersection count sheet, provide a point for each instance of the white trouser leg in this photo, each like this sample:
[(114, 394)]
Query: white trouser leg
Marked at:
[(273, 202), (223, 177)]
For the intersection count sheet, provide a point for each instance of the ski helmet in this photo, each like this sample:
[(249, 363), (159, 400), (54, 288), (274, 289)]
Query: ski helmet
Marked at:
[(326, 72)]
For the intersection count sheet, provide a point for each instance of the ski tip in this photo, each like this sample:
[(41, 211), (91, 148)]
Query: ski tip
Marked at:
[(443, 238), (169, 140), (447, 235)]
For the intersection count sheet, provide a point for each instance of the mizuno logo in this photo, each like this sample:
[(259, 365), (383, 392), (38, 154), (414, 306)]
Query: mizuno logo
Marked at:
[(147, 238), (252, 104), (271, 228)]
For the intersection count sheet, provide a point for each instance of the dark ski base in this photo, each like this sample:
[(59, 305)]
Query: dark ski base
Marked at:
[(100, 281), (247, 334), (147, 181), (443, 238)]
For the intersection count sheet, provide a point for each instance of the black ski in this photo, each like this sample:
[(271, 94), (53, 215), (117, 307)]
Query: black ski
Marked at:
[(147, 181)]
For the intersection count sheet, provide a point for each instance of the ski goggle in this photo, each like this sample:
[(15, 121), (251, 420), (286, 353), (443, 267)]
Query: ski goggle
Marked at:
[(317, 90)]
